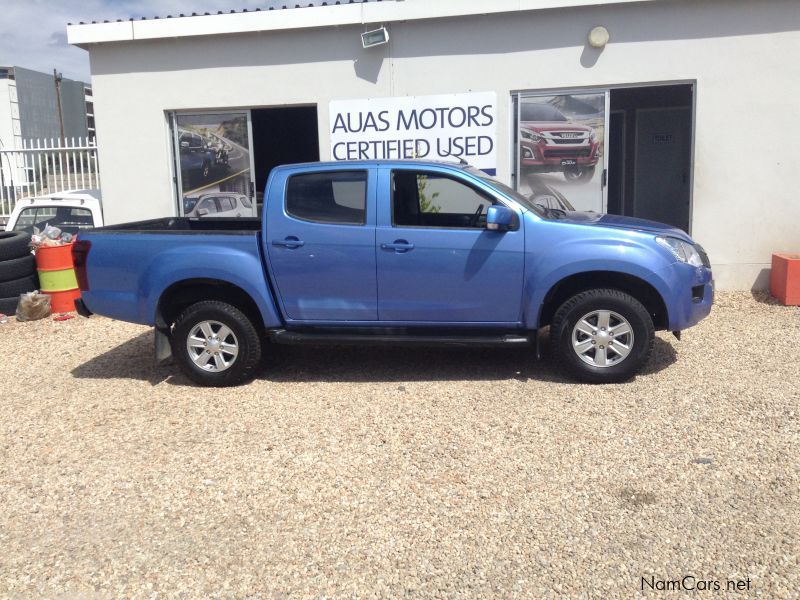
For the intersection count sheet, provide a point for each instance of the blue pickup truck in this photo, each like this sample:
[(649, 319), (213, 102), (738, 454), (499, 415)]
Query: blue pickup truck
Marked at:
[(396, 252)]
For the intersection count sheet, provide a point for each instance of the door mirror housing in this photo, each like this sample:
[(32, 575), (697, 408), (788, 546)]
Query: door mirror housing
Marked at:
[(501, 218), (202, 212)]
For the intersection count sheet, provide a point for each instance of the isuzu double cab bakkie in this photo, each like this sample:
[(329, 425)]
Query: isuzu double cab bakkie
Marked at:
[(396, 252)]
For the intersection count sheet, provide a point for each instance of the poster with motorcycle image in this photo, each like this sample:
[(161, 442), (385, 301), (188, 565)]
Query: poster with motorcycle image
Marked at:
[(215, 165), (561, 146)]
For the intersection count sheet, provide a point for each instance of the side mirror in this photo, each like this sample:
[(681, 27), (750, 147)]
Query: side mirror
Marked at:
[(185, 144), (202, 212), (500, 218)]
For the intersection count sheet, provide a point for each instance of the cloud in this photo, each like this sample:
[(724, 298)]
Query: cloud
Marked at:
[(33, 33), (58, 39)]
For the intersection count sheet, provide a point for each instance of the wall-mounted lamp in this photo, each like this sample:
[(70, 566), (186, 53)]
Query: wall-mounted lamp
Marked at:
[(598, 37), (376, 37)]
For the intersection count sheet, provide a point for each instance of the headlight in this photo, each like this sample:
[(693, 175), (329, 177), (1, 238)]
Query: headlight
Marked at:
[(681, 250), (527, 135)]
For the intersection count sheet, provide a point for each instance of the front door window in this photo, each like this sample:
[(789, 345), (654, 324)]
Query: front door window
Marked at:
[(428, 199)]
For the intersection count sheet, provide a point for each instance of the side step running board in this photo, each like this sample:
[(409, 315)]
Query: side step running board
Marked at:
[(281, 336)]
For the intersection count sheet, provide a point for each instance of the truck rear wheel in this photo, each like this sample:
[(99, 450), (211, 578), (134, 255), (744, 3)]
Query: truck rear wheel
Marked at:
[(216, 344), (602, 336)]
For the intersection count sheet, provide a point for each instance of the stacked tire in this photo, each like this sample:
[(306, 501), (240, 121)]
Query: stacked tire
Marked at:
[(17, 269)]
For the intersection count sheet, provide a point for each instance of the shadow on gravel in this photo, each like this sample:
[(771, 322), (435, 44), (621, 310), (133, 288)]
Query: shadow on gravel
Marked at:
[(764, 297), (282, 364), (130, 360), (664, 355)]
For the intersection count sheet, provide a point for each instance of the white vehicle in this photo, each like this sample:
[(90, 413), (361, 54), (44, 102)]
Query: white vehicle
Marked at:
[(219, 204), (70, 211)]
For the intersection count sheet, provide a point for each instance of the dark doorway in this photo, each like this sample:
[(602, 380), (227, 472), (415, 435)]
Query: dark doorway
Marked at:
[(616, 167), (281, 136), (650, 153)]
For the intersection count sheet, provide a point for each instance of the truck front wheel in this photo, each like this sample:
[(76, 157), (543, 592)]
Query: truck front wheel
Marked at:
[(579, 174), (602, 335), (216, 344)]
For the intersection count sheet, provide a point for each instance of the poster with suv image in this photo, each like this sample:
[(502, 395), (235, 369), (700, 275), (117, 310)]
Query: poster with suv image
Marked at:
[(560, 149), (214, 158)]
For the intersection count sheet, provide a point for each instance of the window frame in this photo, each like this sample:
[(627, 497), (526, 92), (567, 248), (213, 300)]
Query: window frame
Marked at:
[(477, 190), (290, 215)]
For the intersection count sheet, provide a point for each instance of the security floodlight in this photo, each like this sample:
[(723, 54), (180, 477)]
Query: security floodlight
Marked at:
[(376, 37)]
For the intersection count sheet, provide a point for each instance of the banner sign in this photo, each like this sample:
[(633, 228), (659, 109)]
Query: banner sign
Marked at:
[(560, 149), (445, 127), (213, 154)]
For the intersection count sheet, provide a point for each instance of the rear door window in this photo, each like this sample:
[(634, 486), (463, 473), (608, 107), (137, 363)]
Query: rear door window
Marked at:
[(328, 197), (225, 203)]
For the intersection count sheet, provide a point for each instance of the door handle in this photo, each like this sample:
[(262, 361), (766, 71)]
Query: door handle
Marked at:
[(290, 242), (399, 246)]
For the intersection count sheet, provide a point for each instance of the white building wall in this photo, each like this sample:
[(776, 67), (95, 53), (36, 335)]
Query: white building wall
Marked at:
[(10, 172), (6, 117), (742, 56)]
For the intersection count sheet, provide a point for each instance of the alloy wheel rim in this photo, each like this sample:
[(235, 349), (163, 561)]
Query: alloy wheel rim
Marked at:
[(602, 338), (212, 346)]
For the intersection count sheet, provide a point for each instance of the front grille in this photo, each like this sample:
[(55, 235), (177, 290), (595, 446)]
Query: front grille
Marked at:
[(573, 141), (569, 152), (574, 135)]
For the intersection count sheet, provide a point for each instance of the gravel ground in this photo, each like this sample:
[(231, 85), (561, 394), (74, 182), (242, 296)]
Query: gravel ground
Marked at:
[(399, 473)]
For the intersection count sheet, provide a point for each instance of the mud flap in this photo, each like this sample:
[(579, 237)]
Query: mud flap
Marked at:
[(163, 349)]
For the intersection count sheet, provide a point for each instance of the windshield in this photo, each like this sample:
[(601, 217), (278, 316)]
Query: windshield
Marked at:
[(509, 191), (540, 112)]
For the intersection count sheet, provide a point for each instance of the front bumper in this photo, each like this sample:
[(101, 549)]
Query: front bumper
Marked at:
[(692, 297), (545, 155)]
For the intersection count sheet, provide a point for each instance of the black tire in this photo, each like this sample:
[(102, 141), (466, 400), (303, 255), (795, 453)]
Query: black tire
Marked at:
[(8, 306), (15, 287), (244, 365), (14, 244), (582, 304), (15, 268), (579, 174)]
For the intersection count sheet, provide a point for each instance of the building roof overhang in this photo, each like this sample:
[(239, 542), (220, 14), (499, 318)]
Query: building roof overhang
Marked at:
[(330, 13)]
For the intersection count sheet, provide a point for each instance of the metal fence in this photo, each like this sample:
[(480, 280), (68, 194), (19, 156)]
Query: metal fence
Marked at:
[(46, 166)]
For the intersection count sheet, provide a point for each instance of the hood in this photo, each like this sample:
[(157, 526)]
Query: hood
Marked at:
[(539, 126), (620, 222)]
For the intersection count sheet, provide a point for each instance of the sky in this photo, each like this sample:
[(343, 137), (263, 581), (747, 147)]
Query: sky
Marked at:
[(33, 33)]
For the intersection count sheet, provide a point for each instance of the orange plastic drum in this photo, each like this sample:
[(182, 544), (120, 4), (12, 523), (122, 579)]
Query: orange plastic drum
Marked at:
[(57, 276)]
